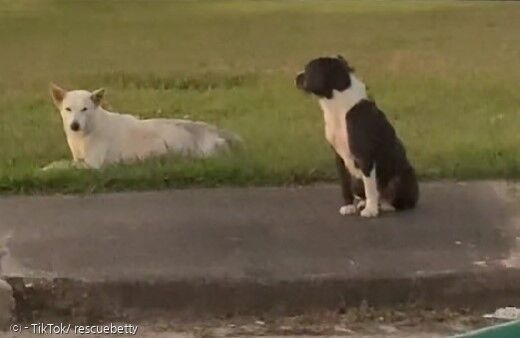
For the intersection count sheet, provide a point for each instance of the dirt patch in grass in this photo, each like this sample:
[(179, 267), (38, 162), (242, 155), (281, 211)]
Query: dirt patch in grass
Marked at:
[(198, 83)]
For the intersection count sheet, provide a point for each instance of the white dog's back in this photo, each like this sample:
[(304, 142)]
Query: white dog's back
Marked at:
[(99, 137), (181, 136)]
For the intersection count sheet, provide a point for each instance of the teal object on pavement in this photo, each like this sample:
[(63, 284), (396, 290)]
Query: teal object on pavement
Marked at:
[(507, 330)]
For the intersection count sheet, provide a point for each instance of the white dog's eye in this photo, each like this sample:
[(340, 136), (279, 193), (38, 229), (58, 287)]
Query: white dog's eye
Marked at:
[(84, 109), (68, 109)]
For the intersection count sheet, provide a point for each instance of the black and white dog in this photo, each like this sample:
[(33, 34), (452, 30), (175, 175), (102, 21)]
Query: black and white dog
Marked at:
[(371, 160)]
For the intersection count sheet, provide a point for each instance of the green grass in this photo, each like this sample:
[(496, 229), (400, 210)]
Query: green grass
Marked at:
[(446, 73)]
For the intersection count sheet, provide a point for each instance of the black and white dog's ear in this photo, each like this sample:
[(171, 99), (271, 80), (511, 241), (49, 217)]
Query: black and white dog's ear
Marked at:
[(345, 62)]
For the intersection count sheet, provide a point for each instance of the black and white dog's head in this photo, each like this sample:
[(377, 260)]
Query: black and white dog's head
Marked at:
[(324, 75)]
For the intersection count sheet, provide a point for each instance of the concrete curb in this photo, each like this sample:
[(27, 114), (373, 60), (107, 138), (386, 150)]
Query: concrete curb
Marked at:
[(7, 304), (83, 301)]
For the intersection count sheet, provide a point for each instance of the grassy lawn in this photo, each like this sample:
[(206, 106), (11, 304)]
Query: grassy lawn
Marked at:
[(446, 73)]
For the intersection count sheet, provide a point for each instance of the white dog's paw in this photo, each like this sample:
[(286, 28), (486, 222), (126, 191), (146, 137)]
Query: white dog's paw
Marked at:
[(370, 211), (58, 165), (349, 209)]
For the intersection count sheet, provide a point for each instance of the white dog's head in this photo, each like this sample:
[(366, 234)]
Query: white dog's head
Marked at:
[(76, 106)]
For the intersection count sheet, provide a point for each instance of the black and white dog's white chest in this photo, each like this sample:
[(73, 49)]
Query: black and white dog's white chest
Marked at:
[(336, 133), (335, 112)]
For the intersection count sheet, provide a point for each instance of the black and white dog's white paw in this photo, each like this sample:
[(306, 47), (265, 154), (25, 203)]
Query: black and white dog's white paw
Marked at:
[(370, 210), (360, 204), (386, 206), (383, 207), (349, 209)]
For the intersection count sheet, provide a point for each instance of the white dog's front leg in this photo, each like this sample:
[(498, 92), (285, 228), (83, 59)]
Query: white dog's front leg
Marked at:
[(80, 165), (94, 162), (95, 159), (75, 148), (372, 195)]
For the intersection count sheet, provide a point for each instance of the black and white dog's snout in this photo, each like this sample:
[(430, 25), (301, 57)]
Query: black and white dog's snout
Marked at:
[(300, 80), (74, 126)]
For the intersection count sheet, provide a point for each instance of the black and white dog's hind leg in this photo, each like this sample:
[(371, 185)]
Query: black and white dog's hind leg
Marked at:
[(349, 208)]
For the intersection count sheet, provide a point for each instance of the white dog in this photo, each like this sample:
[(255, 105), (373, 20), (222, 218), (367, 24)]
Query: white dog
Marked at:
[(97, 137)]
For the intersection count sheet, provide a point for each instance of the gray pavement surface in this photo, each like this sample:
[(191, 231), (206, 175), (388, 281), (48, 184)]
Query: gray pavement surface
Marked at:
[(237, 243)]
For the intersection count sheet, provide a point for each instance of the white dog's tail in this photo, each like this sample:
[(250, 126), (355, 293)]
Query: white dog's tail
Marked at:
[(232, 139), (208, 138), (221, 140)]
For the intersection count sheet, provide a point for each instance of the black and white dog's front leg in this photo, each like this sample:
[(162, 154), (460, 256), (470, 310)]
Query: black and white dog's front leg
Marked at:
[(371, 192), (364, 138), (349, 208)]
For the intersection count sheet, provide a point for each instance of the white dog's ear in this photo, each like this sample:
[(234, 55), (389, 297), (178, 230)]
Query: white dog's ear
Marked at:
[(57, 94), (97, 96)]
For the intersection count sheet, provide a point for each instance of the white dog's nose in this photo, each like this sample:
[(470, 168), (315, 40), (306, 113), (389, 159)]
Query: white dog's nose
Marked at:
[(74, 126)]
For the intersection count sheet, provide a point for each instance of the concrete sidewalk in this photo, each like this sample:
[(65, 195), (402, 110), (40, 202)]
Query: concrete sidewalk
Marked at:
[(260, 249)]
